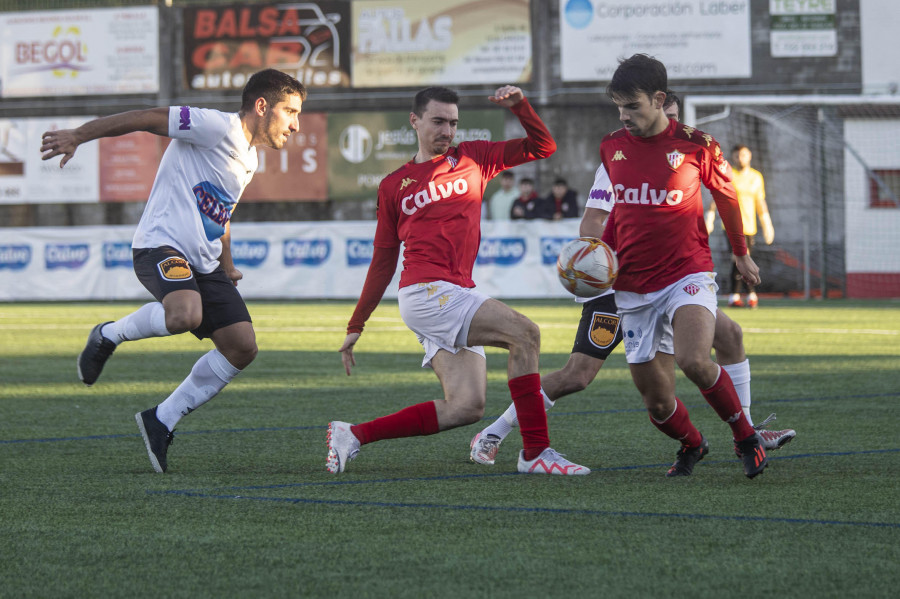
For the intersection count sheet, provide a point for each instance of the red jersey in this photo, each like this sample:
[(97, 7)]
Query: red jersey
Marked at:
[(657, 226), (434, 209)]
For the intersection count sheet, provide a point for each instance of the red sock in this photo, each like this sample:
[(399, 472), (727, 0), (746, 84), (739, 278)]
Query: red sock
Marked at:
[(724, 400), (679, 426), (526, 394), (414, 421)]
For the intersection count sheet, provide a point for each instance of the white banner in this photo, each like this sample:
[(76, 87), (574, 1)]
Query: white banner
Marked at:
[(26, 178), (695, 39), (79, 52), (279, 261)]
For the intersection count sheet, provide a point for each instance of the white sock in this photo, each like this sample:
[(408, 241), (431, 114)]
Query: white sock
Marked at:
[(208, 376), (147, 321), (509, 419), (740, 376)]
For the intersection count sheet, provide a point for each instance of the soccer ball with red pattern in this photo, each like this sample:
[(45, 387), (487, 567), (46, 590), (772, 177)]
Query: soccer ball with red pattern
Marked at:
[(587, 267)]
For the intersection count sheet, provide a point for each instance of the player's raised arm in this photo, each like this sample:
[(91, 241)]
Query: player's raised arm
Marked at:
[(64, 142)]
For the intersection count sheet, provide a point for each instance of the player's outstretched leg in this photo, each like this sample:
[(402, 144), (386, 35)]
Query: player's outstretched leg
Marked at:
[(94, 355), (343, 446)]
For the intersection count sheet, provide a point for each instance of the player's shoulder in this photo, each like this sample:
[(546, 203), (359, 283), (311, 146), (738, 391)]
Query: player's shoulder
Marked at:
[(615, 136), (701, 139), (395, 179)]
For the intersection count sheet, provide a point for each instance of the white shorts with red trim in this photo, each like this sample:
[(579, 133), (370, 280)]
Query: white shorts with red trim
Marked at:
[(647, 317), (440, 313)]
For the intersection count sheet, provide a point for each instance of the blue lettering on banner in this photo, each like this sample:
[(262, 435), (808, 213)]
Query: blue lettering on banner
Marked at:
[(15, 257), (503, 251), (359, 251), (117, 254), (306, 252), (66, 255), (215, 208), (250, 253), (550, 247)]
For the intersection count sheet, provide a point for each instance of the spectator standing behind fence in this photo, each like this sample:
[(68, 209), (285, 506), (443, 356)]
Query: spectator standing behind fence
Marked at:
[(751, 193), (561, 203), (500, 203), (526, 204)]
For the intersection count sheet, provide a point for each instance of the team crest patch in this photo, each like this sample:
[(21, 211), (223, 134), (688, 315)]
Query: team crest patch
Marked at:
[(603, 329), (691, 289), (675, 159), (175, 269)]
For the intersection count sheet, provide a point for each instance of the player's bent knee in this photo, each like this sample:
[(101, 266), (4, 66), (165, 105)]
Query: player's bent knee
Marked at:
[(179, 322)]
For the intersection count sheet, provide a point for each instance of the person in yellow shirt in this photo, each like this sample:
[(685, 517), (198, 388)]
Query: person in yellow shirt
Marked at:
[(751, 193)]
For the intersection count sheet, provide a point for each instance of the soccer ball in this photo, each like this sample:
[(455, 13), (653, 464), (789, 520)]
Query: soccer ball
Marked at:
[(587, 267)]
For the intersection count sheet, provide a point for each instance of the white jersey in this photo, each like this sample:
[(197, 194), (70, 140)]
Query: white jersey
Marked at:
[(602, 198), (200, 179)]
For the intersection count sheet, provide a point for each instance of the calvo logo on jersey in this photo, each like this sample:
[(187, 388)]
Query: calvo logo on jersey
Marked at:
[(14, 257), (215, 206), (117, 254), (433, 193), (503, 251), (645, 195), (359, 251), (250, 253), (550, 247), (65, 255), (306, 252)]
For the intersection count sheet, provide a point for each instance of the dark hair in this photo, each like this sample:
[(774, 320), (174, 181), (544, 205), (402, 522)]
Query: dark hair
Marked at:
[(560, 181), (739, 147), (672, 98), (508, 175), (441, 94), (526, 180), (639, 74), (271, 84)]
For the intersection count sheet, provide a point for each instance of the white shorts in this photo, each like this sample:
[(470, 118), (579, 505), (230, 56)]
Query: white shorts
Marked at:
[(647, 317), (439, 313)]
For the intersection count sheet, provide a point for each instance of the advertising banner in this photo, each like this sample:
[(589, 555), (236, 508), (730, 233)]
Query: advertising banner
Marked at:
[(25, 178), (365, 147), (517, 259), (299, 170), (803, 28), (695, 39), (128, 165), (79, 52), (224, 45), (409, 43)]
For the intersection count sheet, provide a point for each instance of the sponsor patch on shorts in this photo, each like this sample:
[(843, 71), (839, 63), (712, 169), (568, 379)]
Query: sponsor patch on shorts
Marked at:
[(603, 329), (175, 268)]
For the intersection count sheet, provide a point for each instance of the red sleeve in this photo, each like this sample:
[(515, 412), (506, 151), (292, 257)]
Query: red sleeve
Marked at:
[(716, 173), (538, 143), (609, 231), (381, 271)]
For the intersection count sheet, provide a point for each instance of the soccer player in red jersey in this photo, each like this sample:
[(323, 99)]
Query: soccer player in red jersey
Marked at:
[(666, 290), (599, 334), (432, 205)]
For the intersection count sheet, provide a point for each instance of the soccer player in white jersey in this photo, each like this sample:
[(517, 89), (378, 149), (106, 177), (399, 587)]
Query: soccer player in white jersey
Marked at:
[(432, 205), (181, 247), (599, 334)]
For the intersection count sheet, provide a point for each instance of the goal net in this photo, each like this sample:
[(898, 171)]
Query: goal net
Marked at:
[(831, 166)]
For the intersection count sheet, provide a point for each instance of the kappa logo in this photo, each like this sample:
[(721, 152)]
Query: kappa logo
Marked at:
[(406, 182), (708, 138), (689, 130), (175, 268), (692, 289), (442, 300), (604, 327), (675, 159), (619, 155)]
